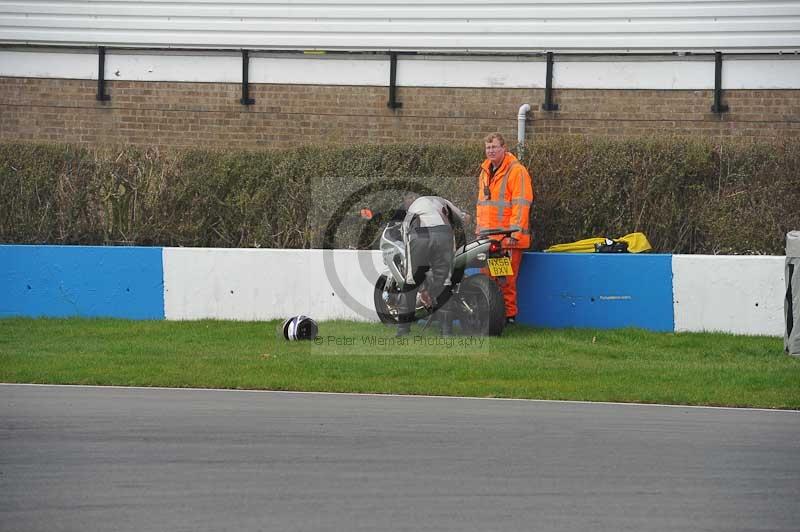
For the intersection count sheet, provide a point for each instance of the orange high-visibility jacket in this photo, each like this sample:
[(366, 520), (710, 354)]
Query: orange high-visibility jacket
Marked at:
[(504, 200)]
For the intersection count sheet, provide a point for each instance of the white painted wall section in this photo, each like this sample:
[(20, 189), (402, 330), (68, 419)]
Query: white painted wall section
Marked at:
[(740, 295), (266, 284), (761, 74), (58, 65), (569, 72), (170, 67), (449, 72), (621, 74), (311, 70)]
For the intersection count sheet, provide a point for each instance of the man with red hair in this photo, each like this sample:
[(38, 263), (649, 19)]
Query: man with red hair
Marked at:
[(505, 196)]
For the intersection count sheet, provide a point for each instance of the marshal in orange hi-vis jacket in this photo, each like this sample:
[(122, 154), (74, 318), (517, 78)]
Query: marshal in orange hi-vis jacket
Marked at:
[(505, 196)]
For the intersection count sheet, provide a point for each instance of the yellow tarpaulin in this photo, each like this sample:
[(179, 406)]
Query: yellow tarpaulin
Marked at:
[(637, 243)]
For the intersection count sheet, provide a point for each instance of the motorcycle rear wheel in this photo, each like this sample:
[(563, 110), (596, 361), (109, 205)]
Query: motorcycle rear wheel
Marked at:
[(480, 308)]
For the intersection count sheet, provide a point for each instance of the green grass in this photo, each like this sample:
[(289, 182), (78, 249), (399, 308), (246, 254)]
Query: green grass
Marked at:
[(627, 365)]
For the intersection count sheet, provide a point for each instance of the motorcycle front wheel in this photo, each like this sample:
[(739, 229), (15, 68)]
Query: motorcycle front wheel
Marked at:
[(386, 302), (480, 309)]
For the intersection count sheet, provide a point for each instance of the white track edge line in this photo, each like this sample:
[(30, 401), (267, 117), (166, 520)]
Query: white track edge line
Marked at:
[(353, 394)]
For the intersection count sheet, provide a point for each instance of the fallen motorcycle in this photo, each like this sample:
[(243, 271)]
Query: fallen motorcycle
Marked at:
[(476, 300)]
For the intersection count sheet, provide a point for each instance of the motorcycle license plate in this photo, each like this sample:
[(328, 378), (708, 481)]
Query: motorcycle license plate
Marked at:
[(500, 266)]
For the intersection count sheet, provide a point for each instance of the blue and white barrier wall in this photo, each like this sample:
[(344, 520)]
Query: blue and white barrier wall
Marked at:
[(742, 295), (735, 294)]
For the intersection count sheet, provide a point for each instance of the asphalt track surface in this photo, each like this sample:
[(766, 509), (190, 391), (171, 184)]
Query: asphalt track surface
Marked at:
[(86, 459)]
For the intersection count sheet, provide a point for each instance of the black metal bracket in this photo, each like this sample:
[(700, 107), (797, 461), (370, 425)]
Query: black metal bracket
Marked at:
[(718, 106), (246, 99), (393, 103), (548, 104), (101, 75)]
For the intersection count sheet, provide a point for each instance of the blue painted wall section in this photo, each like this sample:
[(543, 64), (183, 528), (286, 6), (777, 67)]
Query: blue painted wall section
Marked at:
[(596, 290), (555, 289), (89, 281)]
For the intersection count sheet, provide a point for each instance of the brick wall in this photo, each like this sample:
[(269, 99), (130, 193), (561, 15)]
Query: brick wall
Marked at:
[(210, 115)]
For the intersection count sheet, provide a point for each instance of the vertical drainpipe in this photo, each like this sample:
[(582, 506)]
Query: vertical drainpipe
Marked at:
[(521, 116)]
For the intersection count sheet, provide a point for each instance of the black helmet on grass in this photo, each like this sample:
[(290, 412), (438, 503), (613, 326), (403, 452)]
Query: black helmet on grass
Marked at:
[(300, 328)]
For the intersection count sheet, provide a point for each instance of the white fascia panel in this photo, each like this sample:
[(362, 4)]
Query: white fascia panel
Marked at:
[(761, 74), (169, 67), (734, 294), (319, 71), (693, 75), (569, 72), (465, 73), (48, 65)]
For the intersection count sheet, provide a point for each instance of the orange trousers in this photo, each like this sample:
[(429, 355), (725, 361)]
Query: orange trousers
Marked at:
[(508, 284)]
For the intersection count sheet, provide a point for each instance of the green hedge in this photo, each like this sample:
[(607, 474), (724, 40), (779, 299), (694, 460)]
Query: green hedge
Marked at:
[(687, 195)]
